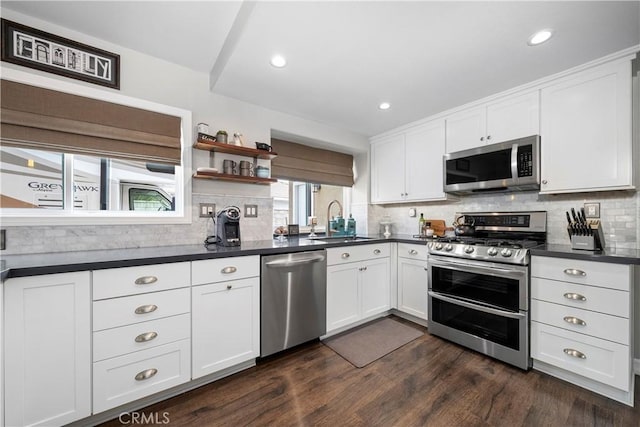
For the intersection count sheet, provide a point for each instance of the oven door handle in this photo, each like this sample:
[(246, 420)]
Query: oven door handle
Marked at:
[(489, 310), (460, 265)]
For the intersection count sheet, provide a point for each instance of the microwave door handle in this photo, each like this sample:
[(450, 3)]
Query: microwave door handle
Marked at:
[(472, 306), (514, 162)]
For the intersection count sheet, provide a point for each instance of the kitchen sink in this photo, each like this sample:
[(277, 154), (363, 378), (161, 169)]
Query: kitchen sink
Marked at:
[(341, 239)]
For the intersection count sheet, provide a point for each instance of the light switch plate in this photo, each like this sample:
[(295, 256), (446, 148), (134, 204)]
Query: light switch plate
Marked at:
[(251, 211), (592, 210), (412, 212)]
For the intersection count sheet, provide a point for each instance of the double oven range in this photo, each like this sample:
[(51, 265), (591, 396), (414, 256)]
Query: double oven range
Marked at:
[(479, 285)]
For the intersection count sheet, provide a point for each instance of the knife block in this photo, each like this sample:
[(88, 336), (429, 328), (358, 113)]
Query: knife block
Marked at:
[(591, 242)]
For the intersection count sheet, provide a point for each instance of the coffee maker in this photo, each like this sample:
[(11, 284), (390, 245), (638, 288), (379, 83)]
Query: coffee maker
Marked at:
[(228, 226)]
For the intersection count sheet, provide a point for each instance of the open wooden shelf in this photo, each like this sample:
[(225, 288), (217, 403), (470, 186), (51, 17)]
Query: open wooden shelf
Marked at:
[(234, 178), (234, 149)]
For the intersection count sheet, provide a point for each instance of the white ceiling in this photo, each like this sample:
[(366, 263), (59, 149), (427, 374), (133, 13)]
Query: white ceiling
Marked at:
[(344, 58)]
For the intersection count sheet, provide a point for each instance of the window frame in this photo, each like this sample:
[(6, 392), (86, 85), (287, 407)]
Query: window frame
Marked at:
[(182, 214)]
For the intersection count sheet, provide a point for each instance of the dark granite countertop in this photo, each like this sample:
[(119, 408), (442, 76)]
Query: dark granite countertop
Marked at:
[(65, 262), (614, 256)]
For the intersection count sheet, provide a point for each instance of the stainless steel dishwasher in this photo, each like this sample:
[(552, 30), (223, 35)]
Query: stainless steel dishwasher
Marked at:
[(293, 299)]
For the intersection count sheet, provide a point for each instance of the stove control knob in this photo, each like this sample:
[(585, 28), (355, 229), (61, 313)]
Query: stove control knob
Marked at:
[(492, 251), (448, 247), (468, 249), (506, 252), (438, 246), (430, 245)]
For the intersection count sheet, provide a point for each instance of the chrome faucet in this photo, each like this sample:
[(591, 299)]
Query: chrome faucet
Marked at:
[(329, 232)]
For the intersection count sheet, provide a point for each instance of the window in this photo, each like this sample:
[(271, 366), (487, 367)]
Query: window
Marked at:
[(294, 202), (100, 178)]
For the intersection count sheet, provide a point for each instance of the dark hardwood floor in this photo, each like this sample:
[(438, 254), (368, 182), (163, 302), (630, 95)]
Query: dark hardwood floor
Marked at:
[(428, 382)]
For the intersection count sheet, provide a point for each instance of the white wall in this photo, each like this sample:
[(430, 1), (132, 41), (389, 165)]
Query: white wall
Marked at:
[(152, 79)]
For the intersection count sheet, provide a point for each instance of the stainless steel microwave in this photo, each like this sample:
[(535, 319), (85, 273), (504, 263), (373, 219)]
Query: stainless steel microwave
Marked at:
[(506, 166)]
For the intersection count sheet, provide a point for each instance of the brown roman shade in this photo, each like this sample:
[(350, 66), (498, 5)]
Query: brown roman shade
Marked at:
[(44, 119), (299, 162)]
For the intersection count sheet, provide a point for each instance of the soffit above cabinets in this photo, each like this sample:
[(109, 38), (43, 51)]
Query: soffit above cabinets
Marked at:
[(345, 58)]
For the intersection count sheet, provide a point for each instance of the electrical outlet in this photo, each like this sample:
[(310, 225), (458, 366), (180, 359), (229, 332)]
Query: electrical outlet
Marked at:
[(251, 211), (592, 210), (207, 209)]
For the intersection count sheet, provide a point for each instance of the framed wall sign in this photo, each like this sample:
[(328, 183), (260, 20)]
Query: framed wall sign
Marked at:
[(43, 51)]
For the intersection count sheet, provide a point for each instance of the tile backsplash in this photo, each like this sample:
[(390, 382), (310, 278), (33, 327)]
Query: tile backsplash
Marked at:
[(619, 213), (29, 240)]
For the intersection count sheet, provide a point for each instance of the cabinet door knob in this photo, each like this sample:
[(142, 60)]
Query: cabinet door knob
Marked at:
[(147, 336), (426, 269), (482, 138), (377, 251), (488, 137), (345, 255), (146, 280), (574, 353), (413, 252), (575, 321), (576, 297), (144, 309), (574, 272), (228, 270), (229, 286), (146, 374), (544, 181)]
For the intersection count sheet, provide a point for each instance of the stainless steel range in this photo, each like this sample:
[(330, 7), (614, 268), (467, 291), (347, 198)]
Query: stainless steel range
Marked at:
[(479, 283)]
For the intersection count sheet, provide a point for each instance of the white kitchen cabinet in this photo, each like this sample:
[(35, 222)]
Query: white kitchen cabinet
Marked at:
[(47, 349), (408, 166), (513, 117), (358, 283), (412, 279), (225, 314), (141, 332), (586, 131), (582, 323)]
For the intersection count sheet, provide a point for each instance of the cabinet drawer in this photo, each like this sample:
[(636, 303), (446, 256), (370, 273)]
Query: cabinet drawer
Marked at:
[(346, 254), (602, 300), (117, 282), (223, 269), (598, 325), (604, 361), (120, 380), (140, 336), (413, 251), (613, 276), (111, 313)]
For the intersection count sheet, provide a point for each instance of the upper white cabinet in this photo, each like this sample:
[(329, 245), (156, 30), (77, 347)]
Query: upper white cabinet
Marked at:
[(509, 118), (47, 349), (586, 131), (408, 166)]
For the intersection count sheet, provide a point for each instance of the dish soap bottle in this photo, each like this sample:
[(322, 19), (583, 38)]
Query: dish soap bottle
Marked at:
[(421, 225)]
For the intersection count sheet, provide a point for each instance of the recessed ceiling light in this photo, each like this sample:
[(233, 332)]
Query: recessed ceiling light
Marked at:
[(540, 37), (384, 106), (278, 61)]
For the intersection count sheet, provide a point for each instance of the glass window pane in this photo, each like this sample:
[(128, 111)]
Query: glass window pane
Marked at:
[(30, 179)]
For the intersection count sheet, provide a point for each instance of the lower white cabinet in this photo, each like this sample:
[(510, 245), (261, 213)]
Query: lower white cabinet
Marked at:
[(47, 349), (225, 314), (360, 289), (412, 280)]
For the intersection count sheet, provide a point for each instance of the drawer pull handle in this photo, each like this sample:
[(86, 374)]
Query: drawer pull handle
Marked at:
[(413, 252), (426, 269), (144, 309), (146, 374), (574, 272), (229, 286), (574, 353), (147, 336), (345, 255), (146, 280), (377, 252), (228, 270), (575, 321), (575, 297)]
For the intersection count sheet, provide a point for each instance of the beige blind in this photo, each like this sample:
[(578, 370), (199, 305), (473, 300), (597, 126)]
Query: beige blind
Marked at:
[(303, 163), (45, 119)]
